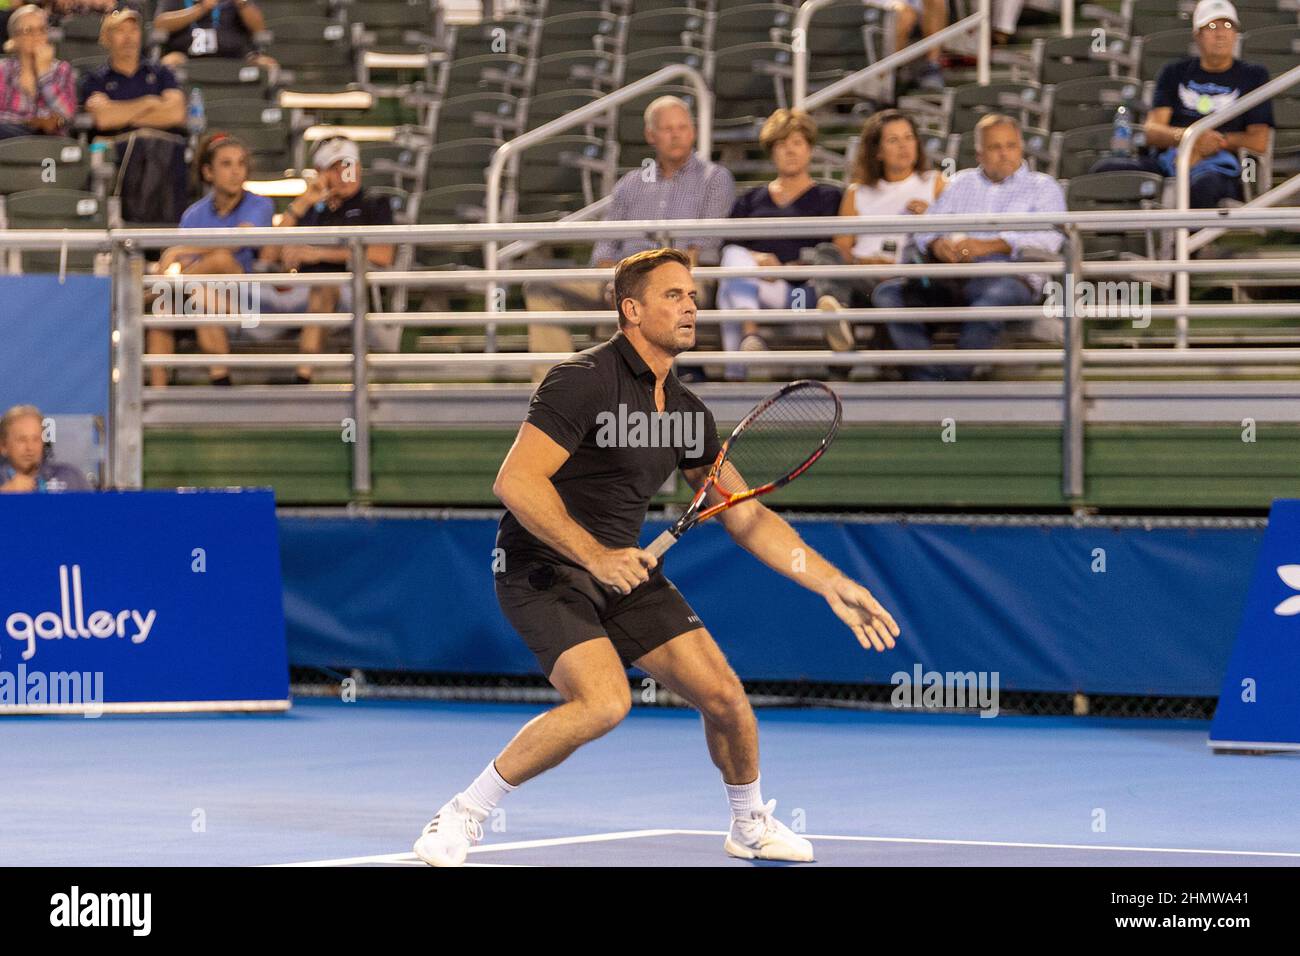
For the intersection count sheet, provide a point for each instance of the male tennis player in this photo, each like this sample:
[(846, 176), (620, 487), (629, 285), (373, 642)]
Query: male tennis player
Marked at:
[(589, 603)]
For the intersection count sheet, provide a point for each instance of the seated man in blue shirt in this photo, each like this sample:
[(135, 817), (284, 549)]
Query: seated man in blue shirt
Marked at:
[(1002, 184), (23, 465), (222, 163)]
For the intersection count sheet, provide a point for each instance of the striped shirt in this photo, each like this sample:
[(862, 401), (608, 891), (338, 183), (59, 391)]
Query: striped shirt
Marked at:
[(56, 92), (971, 192), (699, 190)]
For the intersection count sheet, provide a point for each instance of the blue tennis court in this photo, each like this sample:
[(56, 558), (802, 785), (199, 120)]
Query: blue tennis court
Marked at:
[(351, 784)]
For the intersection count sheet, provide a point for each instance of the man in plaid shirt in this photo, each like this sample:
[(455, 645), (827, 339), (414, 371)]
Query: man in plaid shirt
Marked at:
[(38, 93)]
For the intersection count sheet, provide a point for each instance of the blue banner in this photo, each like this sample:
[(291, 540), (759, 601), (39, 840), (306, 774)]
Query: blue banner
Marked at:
[(141, 601), (1259, 707), (55, 337), (1096, 610)]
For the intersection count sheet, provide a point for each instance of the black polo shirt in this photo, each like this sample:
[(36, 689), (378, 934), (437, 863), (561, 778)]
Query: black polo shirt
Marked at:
[(600, 406), (360, 209)]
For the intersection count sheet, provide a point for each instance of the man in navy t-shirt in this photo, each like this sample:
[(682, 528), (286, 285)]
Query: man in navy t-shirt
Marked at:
[(1188, 90), (126, 93)]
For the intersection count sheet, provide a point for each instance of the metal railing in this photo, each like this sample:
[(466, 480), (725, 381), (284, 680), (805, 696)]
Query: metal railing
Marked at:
[(578, 117), (979, 22), (130, 399)]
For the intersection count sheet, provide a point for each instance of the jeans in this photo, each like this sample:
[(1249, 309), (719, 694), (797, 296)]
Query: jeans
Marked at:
[(992, 291), (752, 294)]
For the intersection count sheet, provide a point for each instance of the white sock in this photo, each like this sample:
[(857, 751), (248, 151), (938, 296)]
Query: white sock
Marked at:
[(487, 791), (744, 798)]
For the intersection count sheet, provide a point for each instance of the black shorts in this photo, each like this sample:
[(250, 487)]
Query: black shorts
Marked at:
[(557, 606)]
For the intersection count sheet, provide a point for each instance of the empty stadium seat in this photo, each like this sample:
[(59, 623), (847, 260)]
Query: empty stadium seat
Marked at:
[(487, 113), (38, 162), (54, 208), (571, 32), (670, 26), (1093, 100)]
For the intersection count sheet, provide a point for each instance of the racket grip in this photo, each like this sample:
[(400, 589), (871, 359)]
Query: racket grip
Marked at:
[(661, 544)]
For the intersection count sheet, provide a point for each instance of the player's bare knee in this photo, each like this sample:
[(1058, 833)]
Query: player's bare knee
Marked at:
[(726, 704), (604, 712)]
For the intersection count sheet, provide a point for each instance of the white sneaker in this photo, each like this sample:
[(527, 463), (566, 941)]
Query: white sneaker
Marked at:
[(839, 334), (764, 837), (449, 835)]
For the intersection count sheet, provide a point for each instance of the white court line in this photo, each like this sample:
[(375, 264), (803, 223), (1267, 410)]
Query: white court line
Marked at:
[(410, 858), (1041, 846), (492, 848)]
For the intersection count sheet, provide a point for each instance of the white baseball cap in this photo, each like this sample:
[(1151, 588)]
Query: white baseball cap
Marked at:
[(1207, 11), (335, 150)]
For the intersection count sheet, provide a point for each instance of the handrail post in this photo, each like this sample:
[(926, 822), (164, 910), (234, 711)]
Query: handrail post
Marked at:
[(1072, 408), (979, 22), (360, 374), (126, 388), (1183, 181), (799, 36), (983, 51), (1067, 18)]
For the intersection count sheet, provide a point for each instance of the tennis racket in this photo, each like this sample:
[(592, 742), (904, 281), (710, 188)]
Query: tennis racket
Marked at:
[(773, 445)]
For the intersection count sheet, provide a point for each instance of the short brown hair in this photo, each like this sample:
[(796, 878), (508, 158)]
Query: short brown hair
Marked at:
[(207, 150), (632, 273), (782, 124), (868, 169)]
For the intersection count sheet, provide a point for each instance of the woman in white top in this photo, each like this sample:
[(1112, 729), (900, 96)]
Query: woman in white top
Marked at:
[(891, 177)]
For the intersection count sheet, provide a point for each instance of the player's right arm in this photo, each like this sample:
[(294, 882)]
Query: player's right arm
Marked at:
[(524, 485)]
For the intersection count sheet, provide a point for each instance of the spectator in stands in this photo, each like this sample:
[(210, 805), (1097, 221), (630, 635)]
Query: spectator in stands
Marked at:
[(933, 17), (1006, 17), (222, 28), (23, 462), (38, 93), (1002, 184), (890, 177), (1189, 89), (788, 137), (221, 162), (60, 10), (334, 198), (127, 92), (678, 185)]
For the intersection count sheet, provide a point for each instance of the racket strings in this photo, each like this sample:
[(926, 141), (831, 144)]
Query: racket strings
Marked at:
[(780, 438)]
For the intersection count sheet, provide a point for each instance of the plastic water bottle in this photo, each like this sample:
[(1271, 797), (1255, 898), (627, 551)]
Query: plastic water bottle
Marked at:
[(195, 118), (1121, 135)]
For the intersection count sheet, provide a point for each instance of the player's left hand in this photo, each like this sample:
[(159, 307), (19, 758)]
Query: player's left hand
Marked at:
[(870, 623)]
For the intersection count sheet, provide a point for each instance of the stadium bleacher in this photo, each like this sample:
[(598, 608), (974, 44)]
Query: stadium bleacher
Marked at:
[(432, 89)]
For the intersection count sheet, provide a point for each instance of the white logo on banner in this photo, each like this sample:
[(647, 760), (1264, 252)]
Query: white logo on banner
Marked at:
[(1290, 573), (71, 621)]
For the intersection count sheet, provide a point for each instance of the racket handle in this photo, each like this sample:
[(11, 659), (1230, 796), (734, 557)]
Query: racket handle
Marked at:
[(661, 544)]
